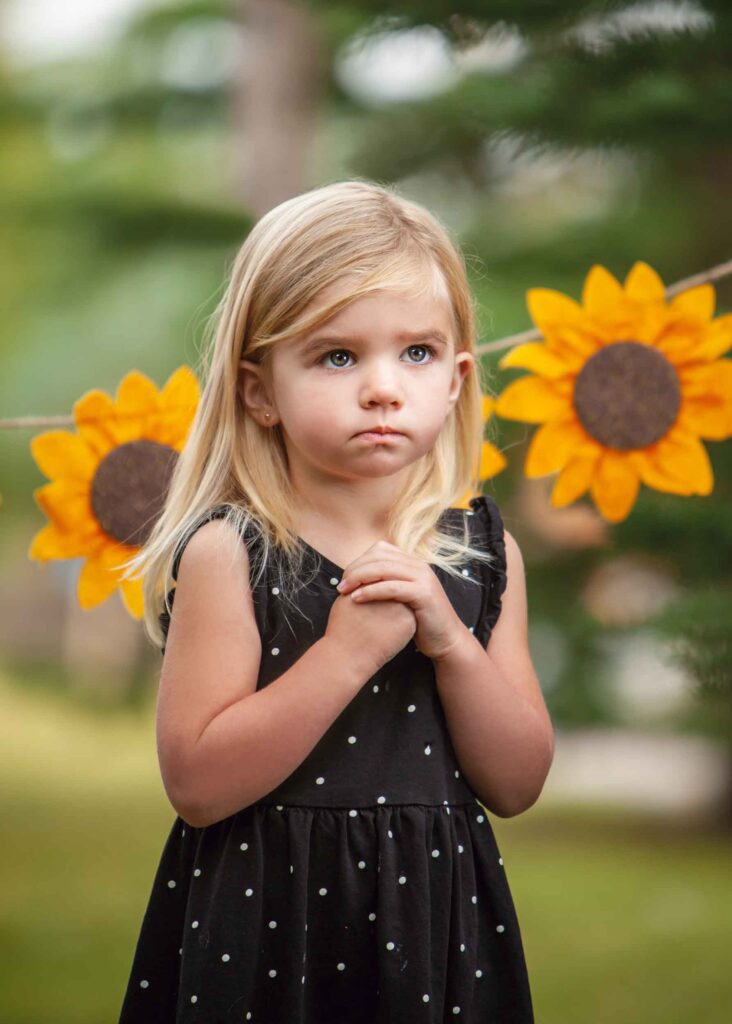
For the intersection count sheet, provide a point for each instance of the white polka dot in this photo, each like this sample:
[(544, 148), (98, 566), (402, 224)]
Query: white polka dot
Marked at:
[(465, 572), (460, 849), (275, 590), (303, 979), (279, 807), (226, 958), (194, 924), (462, 947), (171, 884), (291, 869), (471, 629), (275, 650), (470, 513), (249, 892), (500, 928), (197, 872), (244, 846), (381, 800), (428, 749), (249, 1016), (322, 891), (473, 899), (412, 707), (478, 973), (375, 687), (273, 973), (334, 581), (352, 814), (144, 983), (194, 999), (480, 818), (362, 864), (341, 967), (372, 916), (402, 879), (319, 781), (425, 998), (183, 832), (390, 945), (457, 774), (180, 952), (500, 860), (351, 739), (456, 1009), (435, 853), (273, 924)]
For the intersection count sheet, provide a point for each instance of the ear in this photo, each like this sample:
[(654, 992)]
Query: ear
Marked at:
[(254, 393), (463, 364)]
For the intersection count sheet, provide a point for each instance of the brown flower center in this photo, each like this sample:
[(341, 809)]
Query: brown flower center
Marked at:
[(627, 395), (129, 489)]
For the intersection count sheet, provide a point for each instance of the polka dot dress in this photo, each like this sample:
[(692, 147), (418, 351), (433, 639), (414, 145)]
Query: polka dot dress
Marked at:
[(367, 888)]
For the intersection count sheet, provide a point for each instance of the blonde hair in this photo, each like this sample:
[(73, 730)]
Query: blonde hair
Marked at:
[(382, 241)]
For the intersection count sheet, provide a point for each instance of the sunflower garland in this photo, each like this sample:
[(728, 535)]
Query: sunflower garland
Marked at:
[(625, 385), (110, 479)]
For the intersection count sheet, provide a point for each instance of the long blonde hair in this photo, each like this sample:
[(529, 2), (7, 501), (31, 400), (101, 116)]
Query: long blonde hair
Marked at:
[(382, 241)]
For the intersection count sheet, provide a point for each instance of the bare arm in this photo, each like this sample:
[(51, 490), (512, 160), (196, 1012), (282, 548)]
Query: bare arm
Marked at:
[(223, 744), (498, 722)]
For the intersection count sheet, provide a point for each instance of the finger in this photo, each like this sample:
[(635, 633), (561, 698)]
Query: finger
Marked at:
[(372, 571), (384, 590)]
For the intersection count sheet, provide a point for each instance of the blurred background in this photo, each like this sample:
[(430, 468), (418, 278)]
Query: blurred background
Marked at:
[(140, 140)]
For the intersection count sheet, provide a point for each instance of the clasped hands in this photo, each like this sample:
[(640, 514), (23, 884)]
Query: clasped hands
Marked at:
[(385, 573)]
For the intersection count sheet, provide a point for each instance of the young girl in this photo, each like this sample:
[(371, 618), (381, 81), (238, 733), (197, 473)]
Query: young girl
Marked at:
[(346, 684)]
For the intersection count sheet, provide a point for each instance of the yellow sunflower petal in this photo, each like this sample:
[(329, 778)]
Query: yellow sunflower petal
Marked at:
[(681, 456), (487, 403), (715, 341), (549, 308), (491, 461), (697, 303), (538, 358), (574, 479), (52, 543), (179, 400), (138, 400), (615, 485), (96, 420), (96, 582), (709, 417), (132, 597), (553, 445), (652, 475), (532, 400), (643, 284), (602, 294), (66, 503), (63, 455)]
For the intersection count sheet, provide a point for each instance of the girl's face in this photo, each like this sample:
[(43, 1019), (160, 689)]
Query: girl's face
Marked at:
[(387, 359)]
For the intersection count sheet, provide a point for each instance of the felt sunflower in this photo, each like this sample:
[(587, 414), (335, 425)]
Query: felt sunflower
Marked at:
[(491, 460), (626, 385), (110, 479)]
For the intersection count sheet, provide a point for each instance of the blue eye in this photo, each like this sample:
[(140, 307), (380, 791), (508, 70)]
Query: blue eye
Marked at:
[(427, 348)]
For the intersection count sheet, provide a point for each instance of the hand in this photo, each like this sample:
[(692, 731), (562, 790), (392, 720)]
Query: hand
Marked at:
[(385, 573)]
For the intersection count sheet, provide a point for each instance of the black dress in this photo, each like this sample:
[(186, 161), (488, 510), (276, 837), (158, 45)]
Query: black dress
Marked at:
[(368, 887)]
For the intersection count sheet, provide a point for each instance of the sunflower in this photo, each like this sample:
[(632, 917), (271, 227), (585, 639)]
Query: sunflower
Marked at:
[(491, 460), (109, 480), (626, 385)]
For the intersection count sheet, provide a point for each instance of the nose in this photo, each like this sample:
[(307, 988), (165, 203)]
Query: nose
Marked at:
[(381, 384)]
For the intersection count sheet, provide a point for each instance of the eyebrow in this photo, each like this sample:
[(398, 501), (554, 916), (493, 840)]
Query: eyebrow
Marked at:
[(432, 333)]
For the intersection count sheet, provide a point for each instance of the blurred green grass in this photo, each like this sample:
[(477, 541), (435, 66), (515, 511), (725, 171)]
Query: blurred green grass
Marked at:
[(624, 920)]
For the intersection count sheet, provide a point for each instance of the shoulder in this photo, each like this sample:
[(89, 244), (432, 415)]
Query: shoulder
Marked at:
[(214, 546)]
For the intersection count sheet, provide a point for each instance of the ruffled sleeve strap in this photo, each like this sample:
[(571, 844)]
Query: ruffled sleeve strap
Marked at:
[(487, 535)]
